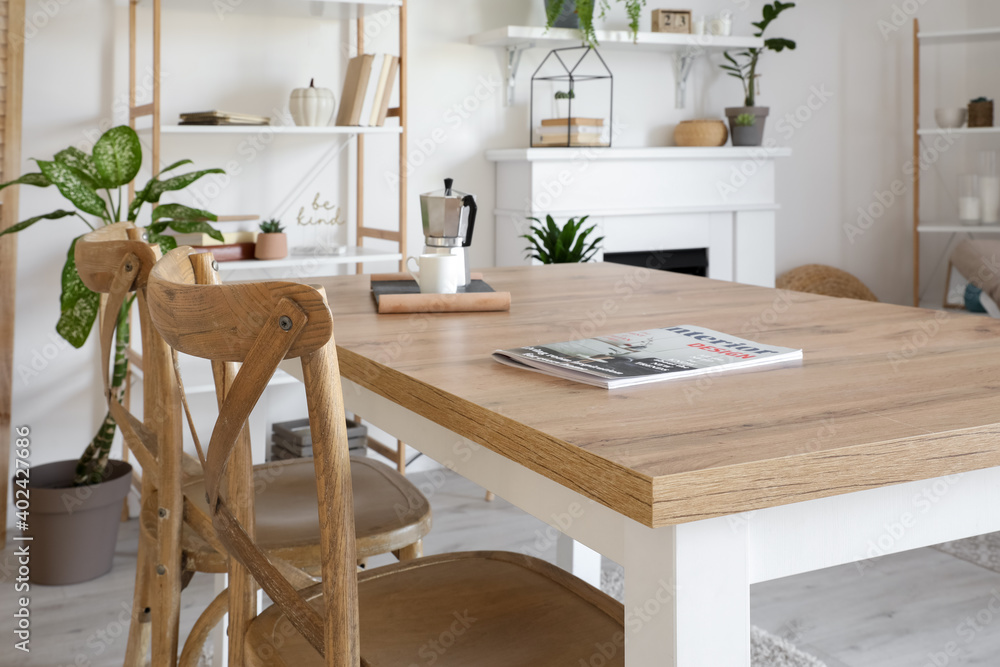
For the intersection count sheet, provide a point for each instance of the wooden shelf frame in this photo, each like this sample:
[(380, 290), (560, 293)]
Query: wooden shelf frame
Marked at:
[(359, 254)]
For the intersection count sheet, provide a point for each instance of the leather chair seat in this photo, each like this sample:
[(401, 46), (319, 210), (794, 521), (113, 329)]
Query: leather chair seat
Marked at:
[(389, 513)]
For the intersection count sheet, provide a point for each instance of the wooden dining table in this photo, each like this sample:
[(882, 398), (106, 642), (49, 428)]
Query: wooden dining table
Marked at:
[(884, 438)]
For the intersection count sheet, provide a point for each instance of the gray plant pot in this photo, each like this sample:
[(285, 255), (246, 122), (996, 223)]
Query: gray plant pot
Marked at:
[(748, 135), (568, 18), (74, 529)]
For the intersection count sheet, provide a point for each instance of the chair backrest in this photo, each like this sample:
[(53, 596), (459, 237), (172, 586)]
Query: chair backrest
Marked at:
[(261, 324)]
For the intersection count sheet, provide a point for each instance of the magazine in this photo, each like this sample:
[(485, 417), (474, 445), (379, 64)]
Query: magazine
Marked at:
[(639, 357)]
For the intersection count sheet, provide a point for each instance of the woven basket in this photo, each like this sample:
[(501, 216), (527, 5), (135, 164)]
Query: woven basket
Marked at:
[(701, 133), (980, 114), (825, 280)]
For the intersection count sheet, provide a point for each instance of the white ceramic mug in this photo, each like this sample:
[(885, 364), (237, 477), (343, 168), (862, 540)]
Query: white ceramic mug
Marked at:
[(438, 274)]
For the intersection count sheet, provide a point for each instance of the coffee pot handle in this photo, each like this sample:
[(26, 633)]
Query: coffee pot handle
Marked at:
[(470, 201)]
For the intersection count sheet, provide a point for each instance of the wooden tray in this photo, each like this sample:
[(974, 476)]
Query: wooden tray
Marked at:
[(399, 293)]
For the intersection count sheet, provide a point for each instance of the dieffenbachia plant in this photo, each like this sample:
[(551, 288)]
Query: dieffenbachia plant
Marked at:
[(93, 185)]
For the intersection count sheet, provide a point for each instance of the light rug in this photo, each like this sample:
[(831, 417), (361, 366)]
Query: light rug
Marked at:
[(766, 650), (983, 550)]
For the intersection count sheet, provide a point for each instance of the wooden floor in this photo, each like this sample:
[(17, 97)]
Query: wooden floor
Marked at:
[(904, 610)]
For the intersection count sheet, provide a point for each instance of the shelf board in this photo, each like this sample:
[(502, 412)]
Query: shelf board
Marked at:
[(652, 153), (526, 36), (955, 36), (959, 130), (273, 129), (324, 9), (956, 228), (305, 266)]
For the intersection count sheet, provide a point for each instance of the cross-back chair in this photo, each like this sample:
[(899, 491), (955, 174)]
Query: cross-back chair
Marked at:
[(487, 609), (178, 537)]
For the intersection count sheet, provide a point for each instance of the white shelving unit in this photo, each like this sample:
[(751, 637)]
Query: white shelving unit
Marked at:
[(684, 48), (272, 129), (302, 266), (940, 227)]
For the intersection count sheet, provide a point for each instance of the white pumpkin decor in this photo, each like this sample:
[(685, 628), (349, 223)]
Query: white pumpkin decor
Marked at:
[(312, 106)]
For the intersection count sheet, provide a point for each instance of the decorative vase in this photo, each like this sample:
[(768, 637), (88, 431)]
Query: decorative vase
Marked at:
[(271, 246), (312, 106), (747, 135), (74, 529), (568, 17)]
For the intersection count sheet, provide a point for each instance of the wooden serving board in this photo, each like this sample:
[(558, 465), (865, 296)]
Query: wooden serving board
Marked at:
[(399, 293)]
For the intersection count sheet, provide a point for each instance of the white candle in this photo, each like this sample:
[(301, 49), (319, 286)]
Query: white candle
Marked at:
[(968, 210), (989, 196)]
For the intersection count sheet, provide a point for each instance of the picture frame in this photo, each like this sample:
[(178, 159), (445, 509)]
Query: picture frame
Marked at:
[(672, 20)]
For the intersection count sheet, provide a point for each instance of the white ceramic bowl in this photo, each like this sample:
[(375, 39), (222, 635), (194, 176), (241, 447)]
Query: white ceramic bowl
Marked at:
[(950, 117)]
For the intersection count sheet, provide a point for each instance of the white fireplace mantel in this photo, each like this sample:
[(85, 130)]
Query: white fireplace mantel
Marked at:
[(647, 199)]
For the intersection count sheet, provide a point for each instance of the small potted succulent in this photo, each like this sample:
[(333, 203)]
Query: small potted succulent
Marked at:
[(271, 242), (747, 131), (580, 14), (551, 244), (562, 99), (743, 66)]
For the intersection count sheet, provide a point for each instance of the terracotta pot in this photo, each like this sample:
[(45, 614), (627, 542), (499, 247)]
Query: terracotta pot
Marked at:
[(747, 135), (271, 246), (74, 530)]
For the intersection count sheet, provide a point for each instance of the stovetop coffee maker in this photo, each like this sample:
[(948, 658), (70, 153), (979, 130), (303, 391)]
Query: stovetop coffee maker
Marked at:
[(449, 217)]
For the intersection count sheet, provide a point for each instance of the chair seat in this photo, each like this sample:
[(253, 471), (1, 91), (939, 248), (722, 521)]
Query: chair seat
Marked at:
[(389, 513), (488, 609)]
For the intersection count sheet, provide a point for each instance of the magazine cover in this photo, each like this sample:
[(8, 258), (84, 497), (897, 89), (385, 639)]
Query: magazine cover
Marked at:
[(638, 357)]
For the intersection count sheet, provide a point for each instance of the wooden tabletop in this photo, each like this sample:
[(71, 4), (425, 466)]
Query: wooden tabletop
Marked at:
[(885, 394)]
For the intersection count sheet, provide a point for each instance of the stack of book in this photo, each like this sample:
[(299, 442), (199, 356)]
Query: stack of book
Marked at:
[(293, 439), (216, 117), (571, 132), (236, 246), (367, 89)]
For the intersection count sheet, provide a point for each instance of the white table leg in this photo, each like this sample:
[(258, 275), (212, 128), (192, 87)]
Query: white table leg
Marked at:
[(687, 595), (579, 559)]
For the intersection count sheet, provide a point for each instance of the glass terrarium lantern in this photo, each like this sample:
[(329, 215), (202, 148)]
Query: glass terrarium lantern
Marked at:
[(571, 99)]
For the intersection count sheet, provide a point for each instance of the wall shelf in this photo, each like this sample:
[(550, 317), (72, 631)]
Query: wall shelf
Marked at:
[(342, 10), (304, 266), (684, 48), (959, 130), (273, 129), (959, 36), (956, 228)]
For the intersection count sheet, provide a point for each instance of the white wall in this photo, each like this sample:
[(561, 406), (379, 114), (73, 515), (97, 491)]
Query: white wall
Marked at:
[(847, 148)]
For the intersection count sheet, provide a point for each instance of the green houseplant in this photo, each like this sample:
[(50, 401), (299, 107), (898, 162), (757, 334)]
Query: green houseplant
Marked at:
[(550, 244), (93, 183), (743, 66), (271, 242), (580, 14), (74, 530)]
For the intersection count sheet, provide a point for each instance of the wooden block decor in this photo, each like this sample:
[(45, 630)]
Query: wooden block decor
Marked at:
[(672, 20)]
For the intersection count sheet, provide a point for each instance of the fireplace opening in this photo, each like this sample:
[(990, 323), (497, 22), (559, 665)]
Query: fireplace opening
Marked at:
[(692, 261)]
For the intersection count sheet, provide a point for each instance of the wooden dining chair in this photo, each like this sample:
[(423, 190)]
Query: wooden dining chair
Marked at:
[(476, 608), (177, 537)]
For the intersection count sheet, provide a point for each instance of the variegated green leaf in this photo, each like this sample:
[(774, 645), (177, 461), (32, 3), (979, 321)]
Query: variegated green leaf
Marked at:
[(166, 241), (155, 188), (36, 179), (196, 227), (179, 163), (118, 156), (78, 304), (83, 164), (181, 212), (24, 224), (74, 188)]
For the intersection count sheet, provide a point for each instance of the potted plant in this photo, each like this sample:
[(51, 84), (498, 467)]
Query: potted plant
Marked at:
[(562, 99), (76, 505), (743, 66), (580, 14), (550, 244), (746, 130), (271, 242)]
